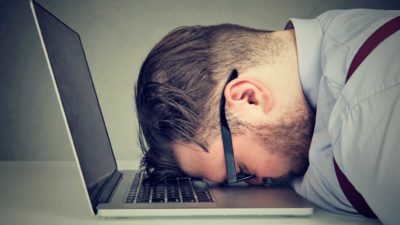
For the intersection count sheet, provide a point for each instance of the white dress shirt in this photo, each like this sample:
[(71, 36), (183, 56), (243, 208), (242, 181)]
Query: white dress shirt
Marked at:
[(358, 122)]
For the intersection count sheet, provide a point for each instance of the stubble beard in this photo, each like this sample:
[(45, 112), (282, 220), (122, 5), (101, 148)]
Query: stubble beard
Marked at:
[(290, 137)]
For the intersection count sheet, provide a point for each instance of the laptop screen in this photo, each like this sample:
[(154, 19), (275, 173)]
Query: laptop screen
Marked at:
[(79, 99)]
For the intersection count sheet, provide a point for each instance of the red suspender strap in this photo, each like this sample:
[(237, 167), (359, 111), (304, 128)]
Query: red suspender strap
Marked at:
[(374, 40), (354, 197)]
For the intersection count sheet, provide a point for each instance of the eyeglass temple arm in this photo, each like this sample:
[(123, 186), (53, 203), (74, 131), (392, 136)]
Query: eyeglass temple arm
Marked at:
[(227, 137), (229, 157)]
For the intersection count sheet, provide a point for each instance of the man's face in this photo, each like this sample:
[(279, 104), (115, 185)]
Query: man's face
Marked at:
[(263, 151), (249, 159)]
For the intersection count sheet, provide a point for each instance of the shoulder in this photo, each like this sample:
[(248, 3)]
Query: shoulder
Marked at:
[(353, 20), (344, 31), (373, 87)]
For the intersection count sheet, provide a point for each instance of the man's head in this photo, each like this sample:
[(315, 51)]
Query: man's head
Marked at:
[(179, 91)]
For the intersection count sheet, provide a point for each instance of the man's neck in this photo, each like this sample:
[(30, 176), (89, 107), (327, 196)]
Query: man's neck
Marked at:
[(287, 70)]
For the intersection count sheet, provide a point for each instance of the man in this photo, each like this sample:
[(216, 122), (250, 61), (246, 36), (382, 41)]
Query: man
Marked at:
[(289, 109)]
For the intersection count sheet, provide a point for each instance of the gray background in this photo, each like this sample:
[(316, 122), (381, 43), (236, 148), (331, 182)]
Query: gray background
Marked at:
[(116, 36)]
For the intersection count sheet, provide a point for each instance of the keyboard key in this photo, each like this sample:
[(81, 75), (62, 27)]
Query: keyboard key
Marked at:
[(174, 200)]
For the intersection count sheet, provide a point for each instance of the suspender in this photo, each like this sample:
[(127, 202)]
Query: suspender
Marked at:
[(354, 197)]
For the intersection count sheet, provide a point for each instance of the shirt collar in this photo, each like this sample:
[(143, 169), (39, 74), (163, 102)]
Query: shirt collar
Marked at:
[(308, 40)]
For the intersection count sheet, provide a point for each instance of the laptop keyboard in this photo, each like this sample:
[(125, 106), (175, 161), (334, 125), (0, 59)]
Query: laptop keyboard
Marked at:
[(176, 190)]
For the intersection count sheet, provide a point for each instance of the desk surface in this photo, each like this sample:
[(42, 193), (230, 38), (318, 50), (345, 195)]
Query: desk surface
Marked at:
[(50, 193)]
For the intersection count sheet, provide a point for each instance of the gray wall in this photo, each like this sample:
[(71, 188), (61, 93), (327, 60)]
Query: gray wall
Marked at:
[(116, 36)]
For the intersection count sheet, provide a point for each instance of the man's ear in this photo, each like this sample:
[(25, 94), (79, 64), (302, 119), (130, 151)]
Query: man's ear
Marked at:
[(248, 96)]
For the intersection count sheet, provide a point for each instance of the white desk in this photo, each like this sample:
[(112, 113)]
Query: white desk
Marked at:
[(49, 193)]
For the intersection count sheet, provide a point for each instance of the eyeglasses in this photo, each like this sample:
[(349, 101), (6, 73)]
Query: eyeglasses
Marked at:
[(227, 140)]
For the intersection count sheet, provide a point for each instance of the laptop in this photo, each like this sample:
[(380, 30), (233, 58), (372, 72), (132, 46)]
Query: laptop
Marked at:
[(114, 193)]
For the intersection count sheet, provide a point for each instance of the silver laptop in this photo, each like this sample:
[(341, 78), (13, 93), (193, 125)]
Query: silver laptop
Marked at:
[(115, 193)]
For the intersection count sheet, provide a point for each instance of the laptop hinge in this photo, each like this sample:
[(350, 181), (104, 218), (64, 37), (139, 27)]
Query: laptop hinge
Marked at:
[(107, 189)]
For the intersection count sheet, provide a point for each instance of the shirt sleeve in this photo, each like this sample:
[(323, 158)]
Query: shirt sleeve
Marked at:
[(365, 130), (340, 128)]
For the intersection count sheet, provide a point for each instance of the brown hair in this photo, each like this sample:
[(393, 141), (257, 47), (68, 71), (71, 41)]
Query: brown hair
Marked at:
[(178, 89)]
